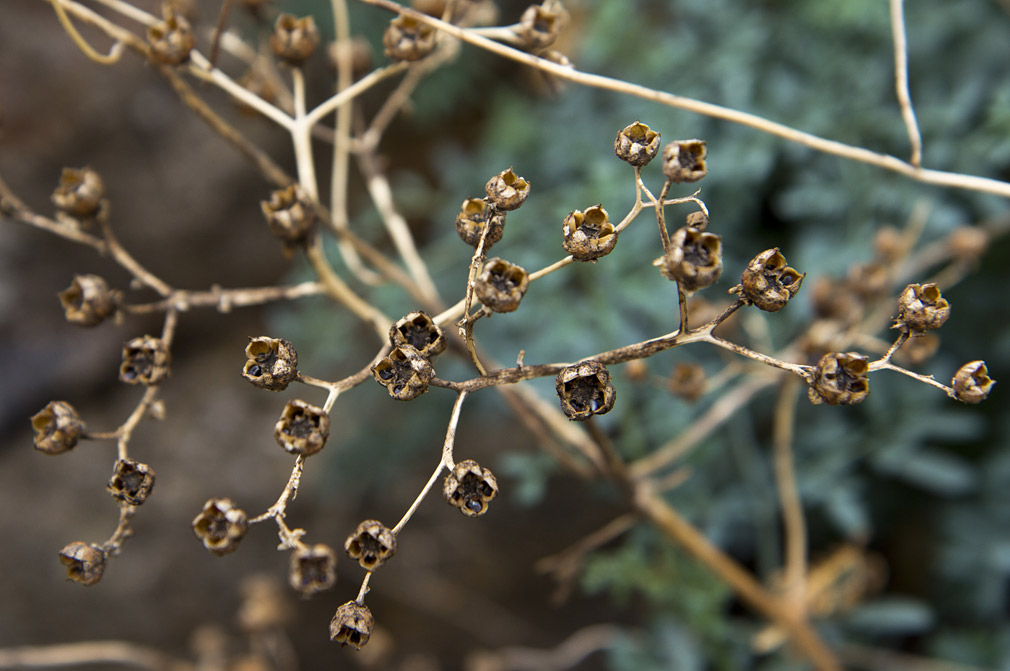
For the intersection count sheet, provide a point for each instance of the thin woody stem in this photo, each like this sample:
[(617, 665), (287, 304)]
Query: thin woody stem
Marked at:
[(789, 498), (901, 81)]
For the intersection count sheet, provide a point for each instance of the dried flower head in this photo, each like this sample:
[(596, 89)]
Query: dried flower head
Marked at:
[(589, 234), (637, 144), (132, 481), (972, 383), (921, 307), (474, 216), (501, 285), (85, 563), (271, 363), (540, 25), (507, 190), (220, 526), (313, 569), (171, 40), (694, 259), (145, 361), (419, 331), (371, 544), (57, 428), (289, 214), (352, 625), (684, 161), (88, 300), (302, 429), (585, 389), (840, 379), (470, 487), (407, 39), (79, 192), (404, 372), (768, 283), (294, 39)]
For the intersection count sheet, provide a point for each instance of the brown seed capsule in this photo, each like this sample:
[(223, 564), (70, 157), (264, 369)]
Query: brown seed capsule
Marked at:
[(302, 429), (474, 215), (88, 300), (501, 285), (470, 488), (404, 373), (768, 283), (585, 389), (407, 39), (419, 331), (507, 190), (684, 161), (972, 383), (840, 379), (921, 307), (57, 427), (694, 259), (132, 481), (589, 235), (637, 144), (79, 192), (371, 544), (687, 381), (289, 214), (539, 26), (145, 361), (220, 526), (697, 220), (294, 39), (171, 40), (313, 569), (85, 563), (352, 625), (271, 363)]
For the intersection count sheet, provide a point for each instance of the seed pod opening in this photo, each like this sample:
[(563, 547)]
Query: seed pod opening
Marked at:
[(470, 488), (404, 372), (289, 214), (474, 216), (921, 307), (507, 190), (313, 569), (840, 379), (57, 428), (419, 331), (85, 563), (171, 40), (88, 300), (220, 526), (637, 144), (694, 259), (684, 161), (352, 625), (768, 283), (585, 390), (589, 235), (145, 361), (371, 544), (132, 481), (294, 39), (302, 429), (407, 39), (501, 285), (540, 25), (972, 383), (79, 192), (271, 363)]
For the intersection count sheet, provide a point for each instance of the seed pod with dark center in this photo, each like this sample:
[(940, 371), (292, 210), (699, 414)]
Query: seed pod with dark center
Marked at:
[(684, 161), (294, 39), (840, 379), (585, 389), (132, 481), (694, 259), (289, 214), (419, 331), (921, 307), (768, 283), (302, 428), (501, 285), (221, 526), (57, 428), (474, 215), (88, 300), (85, 563), (589, 235), (972, 383), (171, 40), (507, 190), (145, 361), (404, 372), (407, 39), (470, 488), (371, 544), (539, 26), (271, 363), (352, 625), (313, 569), (79, 192), (637, 144)]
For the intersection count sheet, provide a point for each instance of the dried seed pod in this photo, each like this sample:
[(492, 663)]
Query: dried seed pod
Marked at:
[(972, 383), (294, 39), (507, 190), (79, 192), (407, 39), (88, 300), (271, 363), (57, 428), (371, 544), (697, 220), (768, 283), (313, 569), (419, 331), (470, 488), (693, 259), (687, 381), (921, 307), (220, 526), (474, 215), (145, 361), (684, 161), (840, 379), (637, 144), (302, 429), (501, 285), (132, 481), (289, 214), (404, 372), (85, 563), (589, 234), (585, 389), (352, 625), (540, 25), (171, 40)]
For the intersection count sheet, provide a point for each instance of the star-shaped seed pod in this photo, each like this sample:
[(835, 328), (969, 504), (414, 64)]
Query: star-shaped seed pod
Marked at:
[(684, 161), (407, 39), (419, 331), (585, 390), (589, 235), (145, 361), (88, 301), (79, 192), (313, 569), (540, 25), (85, 563), (840, 379), (501, 285), (921, 307), (371, 544), (470, 488), (289, 214), (404, 372), (507, 190), (302, 428), (271, 363), (294, 39), (352, 625), (171, 40), (474, 216), (57, 428), (768, 283), (220, 526), (131, 482), (693, 259), (972, 383), (637, 144)]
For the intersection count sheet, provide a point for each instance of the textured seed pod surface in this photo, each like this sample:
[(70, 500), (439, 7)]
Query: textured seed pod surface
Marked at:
[(57, 428), (589, 235), (470, 487), (294, 39), (404, 372), (289, 214), (507, 190), (501, 285), (768, 283), (352, 625), (407, 39), (85, 563), (302, 428), (972, 383), (539, 26), (131, 481), (220, 526), (840, 379), (474, 216), (637, 144), (921, 307), (271, 363), (585, 389), (313, 569), (694, 259), (419, 331), (171, 40), (371, 544), (79, 192), (88, 300), (684, 161), (145, 361)]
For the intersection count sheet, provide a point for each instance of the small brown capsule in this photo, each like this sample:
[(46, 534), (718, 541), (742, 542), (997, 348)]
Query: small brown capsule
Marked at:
[(474, 216), (697, 220), (294, 39), (768, 283), (407, 39), (85, 563), (539, 26), (687, 381), (352, 625), (271, 363), (289, 214), (88, 300), (404, 372), (79, 192), (972, 383), (302, 428), (313, 569), (637, 144), (132, 481), (694, 259), (145, 361), (470, 488), (585, 389), (507, 190), (171, 40), (419, 331), (371, 544), (57, 428), (921, 307), (840, 379), (684, 161), (501, 285), (220, 526), (589, 234)]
